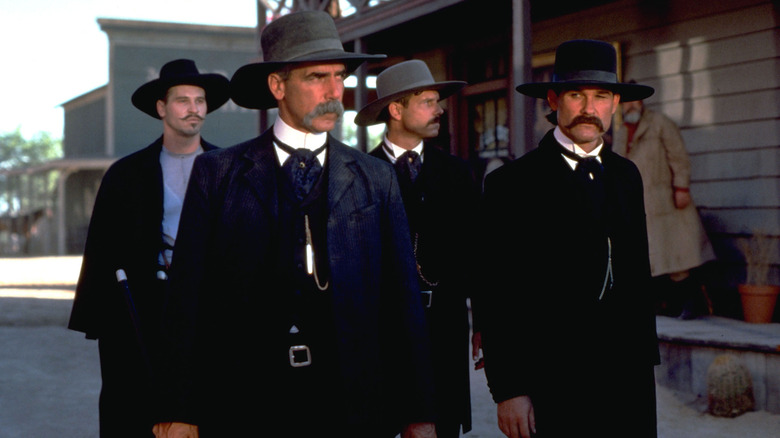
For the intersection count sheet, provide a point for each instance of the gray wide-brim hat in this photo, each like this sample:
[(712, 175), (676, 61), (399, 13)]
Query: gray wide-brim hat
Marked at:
[(399, 80), (181, 72), (586, 62), (299, 38)]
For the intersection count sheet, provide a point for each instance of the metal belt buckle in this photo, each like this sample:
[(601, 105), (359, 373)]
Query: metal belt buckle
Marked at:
[(300, 356), (427, 298)]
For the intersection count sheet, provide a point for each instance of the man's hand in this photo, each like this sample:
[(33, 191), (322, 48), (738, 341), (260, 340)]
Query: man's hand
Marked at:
[(516, 417), (682, 198), (419, 430), (175, 430), (476, 351)]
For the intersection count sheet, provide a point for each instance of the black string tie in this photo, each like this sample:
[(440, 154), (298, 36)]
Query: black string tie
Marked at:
[(408, 165), (302, 167)]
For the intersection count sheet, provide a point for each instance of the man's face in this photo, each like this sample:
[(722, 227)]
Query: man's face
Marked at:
[(309, 97), (632, 111), (183, 110), (420, 117), (584, 114)]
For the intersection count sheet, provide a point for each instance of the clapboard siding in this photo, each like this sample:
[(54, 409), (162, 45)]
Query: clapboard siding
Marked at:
[(734, 165), (711, 139), (743, 221)]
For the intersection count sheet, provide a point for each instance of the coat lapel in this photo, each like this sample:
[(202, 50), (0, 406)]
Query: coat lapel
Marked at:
[(340, 174), (261, 172)]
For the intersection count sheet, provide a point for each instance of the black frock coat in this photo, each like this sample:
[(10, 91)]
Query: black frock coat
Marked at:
[(587, 363), (229, 314), (125, 232), (441, 206)]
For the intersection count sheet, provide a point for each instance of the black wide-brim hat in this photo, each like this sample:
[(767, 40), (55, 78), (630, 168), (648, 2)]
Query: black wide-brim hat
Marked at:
[(583, 63), (399, 80), (300, 38), (181, 72)]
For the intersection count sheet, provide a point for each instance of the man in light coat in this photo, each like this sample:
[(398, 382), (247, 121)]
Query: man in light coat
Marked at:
[(677, 240)]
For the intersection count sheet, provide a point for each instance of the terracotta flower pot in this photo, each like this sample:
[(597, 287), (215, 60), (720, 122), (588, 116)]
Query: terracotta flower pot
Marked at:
[(758, 302)]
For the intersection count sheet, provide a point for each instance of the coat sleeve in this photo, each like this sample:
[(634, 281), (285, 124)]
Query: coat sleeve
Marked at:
[(97, 277)]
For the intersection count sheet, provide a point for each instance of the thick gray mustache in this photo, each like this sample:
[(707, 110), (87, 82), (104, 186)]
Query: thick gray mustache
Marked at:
[(329, 107)]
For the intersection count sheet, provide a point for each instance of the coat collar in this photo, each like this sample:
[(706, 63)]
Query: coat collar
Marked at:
[(261, 175)]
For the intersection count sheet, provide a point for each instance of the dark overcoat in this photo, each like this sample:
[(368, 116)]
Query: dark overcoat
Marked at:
[(587, 363), (441, 206), (125, 232), (229, 318)]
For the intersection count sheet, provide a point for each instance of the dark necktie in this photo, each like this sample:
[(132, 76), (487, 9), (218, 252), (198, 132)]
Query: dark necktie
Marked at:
[(408, 165), (302, 167), (591, 173)]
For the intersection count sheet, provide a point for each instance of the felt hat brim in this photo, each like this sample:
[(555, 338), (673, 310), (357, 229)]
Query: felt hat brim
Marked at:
[(374, 112), (627, 92), (249, 84), (217, 88)]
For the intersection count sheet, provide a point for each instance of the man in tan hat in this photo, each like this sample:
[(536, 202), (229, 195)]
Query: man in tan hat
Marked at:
[(133, 228), (568, 323), (295, 310), (440, 195)]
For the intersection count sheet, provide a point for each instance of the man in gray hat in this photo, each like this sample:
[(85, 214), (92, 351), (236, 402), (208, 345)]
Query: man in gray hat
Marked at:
[(133, 228), (440, 195), (568, 323), (295, 309)]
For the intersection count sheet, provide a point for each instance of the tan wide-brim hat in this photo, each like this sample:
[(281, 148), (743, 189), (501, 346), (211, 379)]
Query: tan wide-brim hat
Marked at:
[(299, 38), (181, 72), (584, 63), (399, 80)]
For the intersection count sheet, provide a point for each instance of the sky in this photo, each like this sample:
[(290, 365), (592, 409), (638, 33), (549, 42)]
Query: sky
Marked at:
[(54, 50)]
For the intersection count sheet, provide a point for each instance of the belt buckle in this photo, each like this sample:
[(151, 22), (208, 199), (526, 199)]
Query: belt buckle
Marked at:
[(427, 298), (296, 351)]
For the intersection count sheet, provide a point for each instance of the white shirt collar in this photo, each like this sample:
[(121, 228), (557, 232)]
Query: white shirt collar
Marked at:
[(570, 145), (398, 150), (297, 139)]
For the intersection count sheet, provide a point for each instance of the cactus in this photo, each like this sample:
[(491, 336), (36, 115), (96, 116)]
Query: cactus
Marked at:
[(729, 387)]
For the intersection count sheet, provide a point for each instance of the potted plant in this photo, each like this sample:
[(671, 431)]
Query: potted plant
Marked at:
[(757, 294)]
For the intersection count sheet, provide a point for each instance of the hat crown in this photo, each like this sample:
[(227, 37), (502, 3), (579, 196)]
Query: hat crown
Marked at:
[(179, 68), (297, 35), (583, 60), (403, 76)]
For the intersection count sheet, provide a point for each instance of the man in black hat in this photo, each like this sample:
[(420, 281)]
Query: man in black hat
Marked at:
[(569, 327), (440, 195), (133, 228), (294, 309)]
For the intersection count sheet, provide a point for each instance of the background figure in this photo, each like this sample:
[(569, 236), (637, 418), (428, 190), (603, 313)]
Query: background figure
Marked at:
[(677, 240), (440, 199), (567, 318), (133, 227), (294, 309)]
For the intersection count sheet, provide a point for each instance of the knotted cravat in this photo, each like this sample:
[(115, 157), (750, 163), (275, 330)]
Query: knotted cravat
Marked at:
[(302, 167), (591, 173), (408, 165)]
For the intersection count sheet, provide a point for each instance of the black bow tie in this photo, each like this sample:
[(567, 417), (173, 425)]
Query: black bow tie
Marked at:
[(588, 165), (302, 167)]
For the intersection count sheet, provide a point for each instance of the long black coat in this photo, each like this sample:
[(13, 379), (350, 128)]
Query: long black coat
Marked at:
[(124, 233), (587, 364), (441, 206), (229, 316)]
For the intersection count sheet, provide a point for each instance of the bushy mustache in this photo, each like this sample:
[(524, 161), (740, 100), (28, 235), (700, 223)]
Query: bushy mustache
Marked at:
[(329, 107), (591, 120)]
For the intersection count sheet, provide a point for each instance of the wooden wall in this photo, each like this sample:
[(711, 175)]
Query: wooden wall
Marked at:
[(715, 68)]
